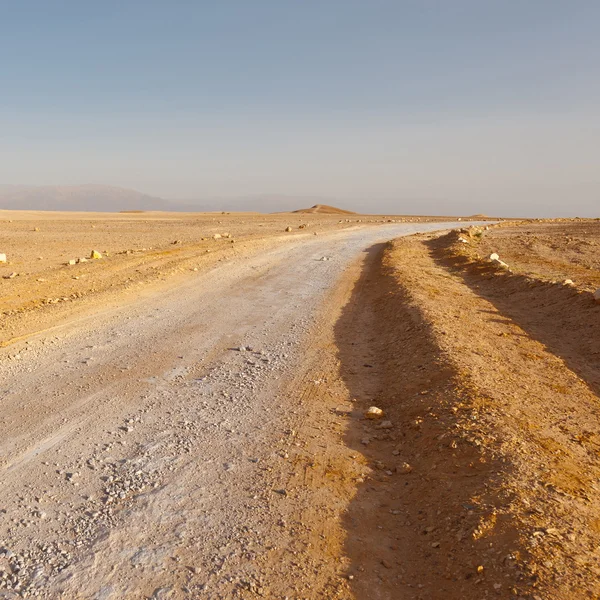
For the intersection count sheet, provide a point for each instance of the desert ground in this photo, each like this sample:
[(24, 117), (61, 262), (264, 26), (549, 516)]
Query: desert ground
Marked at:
[(377, 411), (140, 251)]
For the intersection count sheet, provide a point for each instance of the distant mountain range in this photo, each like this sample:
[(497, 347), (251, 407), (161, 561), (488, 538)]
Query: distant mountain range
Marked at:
[(105, 198), (100, 198)]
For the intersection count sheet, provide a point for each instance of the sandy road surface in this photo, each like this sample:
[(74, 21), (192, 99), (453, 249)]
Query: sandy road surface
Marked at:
[(142, 454)]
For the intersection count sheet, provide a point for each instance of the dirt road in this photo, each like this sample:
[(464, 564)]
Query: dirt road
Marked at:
[(148, 451)]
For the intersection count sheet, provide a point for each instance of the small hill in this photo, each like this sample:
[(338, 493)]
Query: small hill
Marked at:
[(324, 209)]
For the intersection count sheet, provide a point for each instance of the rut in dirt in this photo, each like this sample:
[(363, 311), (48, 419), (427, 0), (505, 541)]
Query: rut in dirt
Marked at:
[(409, 526), (488, 468)]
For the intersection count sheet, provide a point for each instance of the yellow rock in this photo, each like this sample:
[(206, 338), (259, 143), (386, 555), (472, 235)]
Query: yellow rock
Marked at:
[(95, 254), (374, 413)]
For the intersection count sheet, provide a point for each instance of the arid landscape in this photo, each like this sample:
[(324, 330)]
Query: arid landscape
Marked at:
[(138, 249), (306, 405), (300, 300)]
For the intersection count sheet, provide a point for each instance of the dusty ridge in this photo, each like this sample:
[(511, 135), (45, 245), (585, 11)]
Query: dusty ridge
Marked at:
[(418, 524), (544, 367), (493, 405), (526, 353)]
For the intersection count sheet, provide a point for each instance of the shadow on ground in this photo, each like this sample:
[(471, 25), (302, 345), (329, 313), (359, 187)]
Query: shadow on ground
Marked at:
[(565, 321), (419, 525)]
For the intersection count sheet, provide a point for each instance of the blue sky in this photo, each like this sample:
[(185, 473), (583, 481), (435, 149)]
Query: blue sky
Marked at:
[(447, 105)]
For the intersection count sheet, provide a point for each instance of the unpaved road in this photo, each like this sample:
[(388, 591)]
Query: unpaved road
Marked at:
[(143, 450)]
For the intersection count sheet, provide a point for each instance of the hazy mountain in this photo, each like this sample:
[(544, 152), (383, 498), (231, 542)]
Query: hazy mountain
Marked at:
[(101, 198), (105, 198)]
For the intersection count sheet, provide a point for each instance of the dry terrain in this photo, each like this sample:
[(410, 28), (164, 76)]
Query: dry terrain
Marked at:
[(151, 415), (486, 479), (190, 421), (140, 250)]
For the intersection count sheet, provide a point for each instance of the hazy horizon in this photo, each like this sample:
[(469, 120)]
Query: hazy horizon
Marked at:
[(454, 108)]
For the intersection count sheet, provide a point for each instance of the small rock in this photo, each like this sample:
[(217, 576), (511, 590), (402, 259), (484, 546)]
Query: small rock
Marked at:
[(500, 263), (3, 258), (374, 413), (494, 256), (568, 282), (404, 468), (95, 255), (161, 593), (72, 262), (386, 425), (11, 276), (217, 236), (288, 229)]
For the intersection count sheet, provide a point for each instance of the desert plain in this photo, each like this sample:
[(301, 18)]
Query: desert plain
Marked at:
[(301, 405)]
